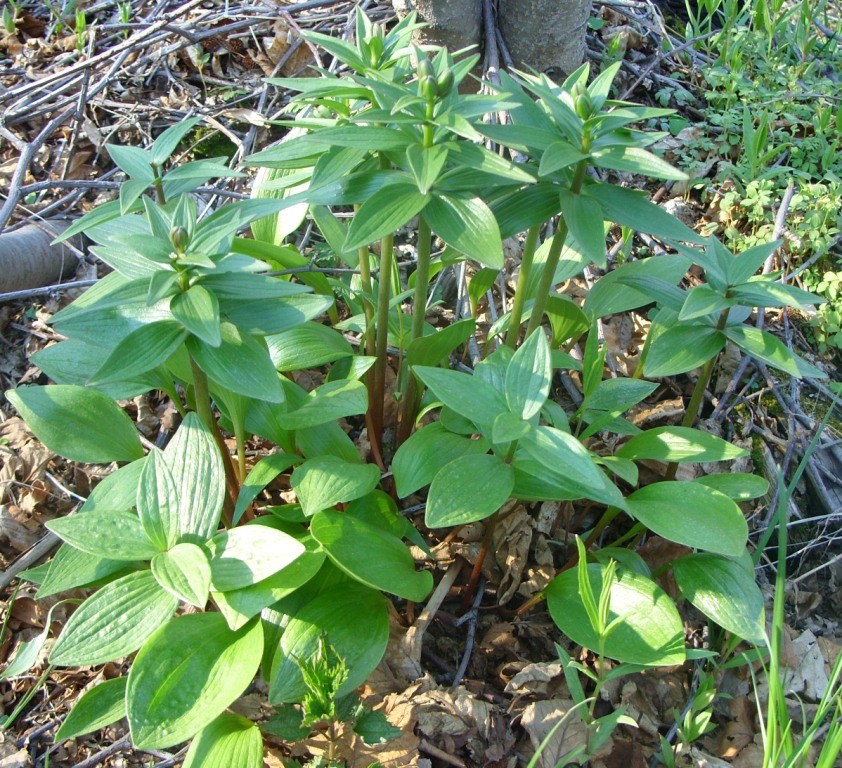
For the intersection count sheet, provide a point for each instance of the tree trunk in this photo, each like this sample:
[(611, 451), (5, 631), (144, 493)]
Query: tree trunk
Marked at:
[(455, 24), (545, 35), (28, 260)]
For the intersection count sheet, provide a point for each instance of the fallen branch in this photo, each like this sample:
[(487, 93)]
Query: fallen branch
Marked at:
[(29, 260)]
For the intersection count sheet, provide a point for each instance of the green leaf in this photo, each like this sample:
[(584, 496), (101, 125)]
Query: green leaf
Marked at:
[(468, 489), (78, 423), (744, 265), (724, 591), (263, 473), (194, 461), (198, 311), (329, 402), (370, 555), (184, 571), (584, 220), (309, 345), (682, 348), (373, 727), (26, 654), (636, 160), (169, 140), (264, 318), (558, 155), (352, 618), (508, 427), (679, 444), (765, 293), (528, 377), (246, 555), (650, 633), (631, 209), (765, 347), (426, 164), (114, 622), (133, 161), (428, 450), (116, 535), (433, 348), (469, 226), (703, 300), (739, 486), (157, 501), (230, 741), (142, 350), (102, 705), (188, 672), (324, 481), (386, 211), (465, 394), (240, 363), (691, 514)]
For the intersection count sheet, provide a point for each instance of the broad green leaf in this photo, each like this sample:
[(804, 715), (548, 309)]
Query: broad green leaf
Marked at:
[(26, 654), (240, 363), (276, 228), (72, 568), (679, 444), (115, 535), (611, 294), (559, 155), (184, 571), (745, 264), (188, 672), (739, 486), (465, 394), (331, 401), (133, 161), (78, 423), (631, 209), (230, 741), (323, 481), (691, 514), (468, 489), (477, 157), (650, 632), (508, 427), (374, 728), (169, 140), (102, 705), (239, 605), (140, 351), (352, 618), (433, 348), (197, 309), (251, 286), (636, 160), (618, 395), (386, 211), (363, 136), (528, 377), (246, 555), (157, 501), (309, 345), (426, 164), (469, 226), (194, 461), (724, 591), (764, 293), (584, 220), (368, 554), (765, 347), (682, 348), (703, 300), (264, 318), (426, 451), (263, 473), (114, 622)]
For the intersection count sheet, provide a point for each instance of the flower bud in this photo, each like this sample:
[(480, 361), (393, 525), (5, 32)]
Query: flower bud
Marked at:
[(584, 107), (444, 84), (429, 89), (425, 68), (180, 238)]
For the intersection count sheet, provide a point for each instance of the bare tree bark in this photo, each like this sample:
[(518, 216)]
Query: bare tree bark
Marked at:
[(28, 260), (545, 35)]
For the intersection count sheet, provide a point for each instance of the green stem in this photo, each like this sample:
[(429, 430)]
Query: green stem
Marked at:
[(409, 404), (692, 412), (522, 283), (158, 183), (16, 713), (384, 295), (559, 237)]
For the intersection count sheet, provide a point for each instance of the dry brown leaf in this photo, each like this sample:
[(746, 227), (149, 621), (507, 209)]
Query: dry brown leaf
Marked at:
[(541, 717), (543, 678)]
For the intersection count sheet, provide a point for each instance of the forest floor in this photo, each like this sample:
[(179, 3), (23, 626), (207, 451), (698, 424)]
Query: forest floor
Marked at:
[(493, 686)]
